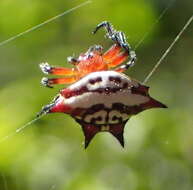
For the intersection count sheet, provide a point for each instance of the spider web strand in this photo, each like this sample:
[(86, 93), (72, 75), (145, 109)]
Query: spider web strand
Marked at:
[(168, 50), (21, 34), (5, 185), (43, 23), (18, 130), (154, 24)]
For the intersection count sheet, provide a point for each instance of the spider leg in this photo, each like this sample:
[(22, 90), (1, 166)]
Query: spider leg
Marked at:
[(107, 26), (47, 69), (72, 60), (111, 53), (48, 82), (95, 49), (118, 60), (46, 109), (118, 37), (113, 58), (124, 67)]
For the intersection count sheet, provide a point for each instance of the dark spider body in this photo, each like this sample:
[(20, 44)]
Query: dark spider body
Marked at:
[(100, 99)]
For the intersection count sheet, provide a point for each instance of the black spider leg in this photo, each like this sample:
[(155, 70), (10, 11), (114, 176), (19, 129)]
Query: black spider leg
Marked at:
[(46, 109), (119, 38)]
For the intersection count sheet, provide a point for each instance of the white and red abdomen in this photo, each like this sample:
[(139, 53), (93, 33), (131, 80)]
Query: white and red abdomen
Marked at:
[(105, 87), (105, 97)]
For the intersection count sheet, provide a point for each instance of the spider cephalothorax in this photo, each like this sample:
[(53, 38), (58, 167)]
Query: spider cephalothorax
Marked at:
[(93, 60), (99, 99)]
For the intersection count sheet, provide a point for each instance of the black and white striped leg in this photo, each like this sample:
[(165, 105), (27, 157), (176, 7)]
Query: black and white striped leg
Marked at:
[(46, 68), (117, 36), (107, 26), (127, 65), (47, 108), (46, 82)]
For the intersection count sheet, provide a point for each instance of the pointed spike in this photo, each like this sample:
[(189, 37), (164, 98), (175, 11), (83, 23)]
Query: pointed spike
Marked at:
[(152, 103), (141, 89), (120, 138), (89, 132), (156, 104), (86, 143), (117, 131), (60, 108)]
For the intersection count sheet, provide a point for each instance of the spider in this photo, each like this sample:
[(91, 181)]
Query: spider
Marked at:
[(101, 97), (93, 60)]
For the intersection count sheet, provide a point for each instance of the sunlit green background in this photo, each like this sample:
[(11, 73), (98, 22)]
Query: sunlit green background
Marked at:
[(49, 154)]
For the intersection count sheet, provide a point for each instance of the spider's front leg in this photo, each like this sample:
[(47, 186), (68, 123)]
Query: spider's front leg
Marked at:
[(47, 69), (49, 82), (118, 37), (125, 66)]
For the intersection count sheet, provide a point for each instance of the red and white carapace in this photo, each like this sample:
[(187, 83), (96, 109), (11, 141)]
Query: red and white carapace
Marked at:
[(101, 97)]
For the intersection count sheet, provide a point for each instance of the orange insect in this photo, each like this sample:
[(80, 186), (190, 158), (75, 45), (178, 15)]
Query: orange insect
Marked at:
[(93, 60)]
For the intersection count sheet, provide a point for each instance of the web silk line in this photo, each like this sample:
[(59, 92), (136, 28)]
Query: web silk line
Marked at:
[(168, 49), (155, 23), (21, 34), (43, 23), (18, 130)]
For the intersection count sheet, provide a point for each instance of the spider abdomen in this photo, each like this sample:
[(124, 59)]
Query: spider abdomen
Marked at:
[(105, 87), (104, 101)]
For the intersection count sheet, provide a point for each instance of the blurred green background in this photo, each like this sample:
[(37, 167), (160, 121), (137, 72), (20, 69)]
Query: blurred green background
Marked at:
[(49, 155)]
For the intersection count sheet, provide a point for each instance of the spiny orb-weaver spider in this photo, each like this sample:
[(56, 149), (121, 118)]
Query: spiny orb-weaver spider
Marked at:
[(101, 97)]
